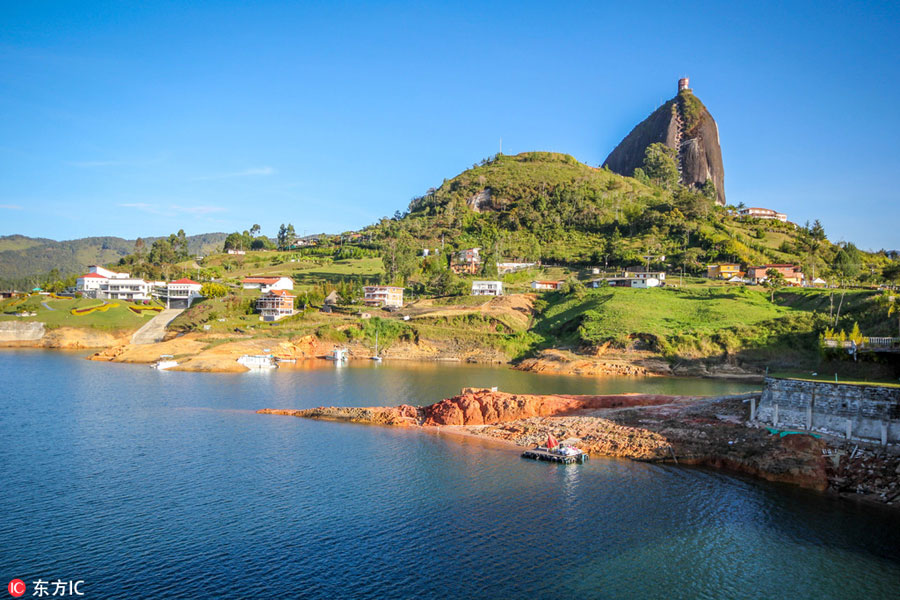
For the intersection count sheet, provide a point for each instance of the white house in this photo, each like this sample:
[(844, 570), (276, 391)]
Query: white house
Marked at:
[(545, 285), (487, 288), (383, 295), (634, 282), (125, 289), (98, 270), (265, 284), (180, 293), (644, 273), (756, 212), (89, 284)]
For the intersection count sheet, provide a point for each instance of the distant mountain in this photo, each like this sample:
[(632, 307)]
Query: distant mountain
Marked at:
[(23, 258), (684, 125)]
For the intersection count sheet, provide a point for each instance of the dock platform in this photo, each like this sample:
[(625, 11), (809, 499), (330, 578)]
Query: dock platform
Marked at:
[(543, 454)]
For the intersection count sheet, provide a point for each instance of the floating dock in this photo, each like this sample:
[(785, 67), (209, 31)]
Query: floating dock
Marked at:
[(548, 455)]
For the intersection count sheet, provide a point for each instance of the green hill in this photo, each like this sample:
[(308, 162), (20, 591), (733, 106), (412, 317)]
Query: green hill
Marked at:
[(550, 207)]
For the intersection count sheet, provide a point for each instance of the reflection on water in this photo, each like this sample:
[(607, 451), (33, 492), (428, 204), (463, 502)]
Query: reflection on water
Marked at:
[(156, 484)]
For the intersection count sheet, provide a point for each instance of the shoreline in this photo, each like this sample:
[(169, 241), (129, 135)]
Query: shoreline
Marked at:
[(218, 353), (708, 432)]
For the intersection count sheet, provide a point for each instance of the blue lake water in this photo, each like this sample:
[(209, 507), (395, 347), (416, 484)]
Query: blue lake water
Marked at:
[(167, 485)]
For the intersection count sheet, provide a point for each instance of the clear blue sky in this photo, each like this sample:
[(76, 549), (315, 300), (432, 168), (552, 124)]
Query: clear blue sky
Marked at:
[(137, 119)]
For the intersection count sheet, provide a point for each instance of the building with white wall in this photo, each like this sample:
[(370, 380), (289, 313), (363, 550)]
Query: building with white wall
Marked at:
[(487, 288)]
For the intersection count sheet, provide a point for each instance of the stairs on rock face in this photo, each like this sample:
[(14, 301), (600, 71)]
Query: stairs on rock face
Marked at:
[(679, 134)]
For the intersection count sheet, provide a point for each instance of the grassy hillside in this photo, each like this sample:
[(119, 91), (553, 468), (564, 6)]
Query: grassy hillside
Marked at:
[(550, 207), (703, 322)]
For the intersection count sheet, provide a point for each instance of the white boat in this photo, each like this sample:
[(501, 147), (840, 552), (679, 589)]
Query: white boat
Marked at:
[(166, 361), (376, 358), (258, 361), (339, 355)]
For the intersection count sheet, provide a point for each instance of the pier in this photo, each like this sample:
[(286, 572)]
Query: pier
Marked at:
[(548, 455)]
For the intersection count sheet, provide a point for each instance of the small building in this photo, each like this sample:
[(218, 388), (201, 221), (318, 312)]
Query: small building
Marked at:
[(756, 212), (546, 285), (178, 294), (238, 252), (644, 273), (264, 284), (724, 271), (383, 295), (622, 281), (792, 274), (487, 288), (818, 282), (466, 261), (511, 267), (275, 304)]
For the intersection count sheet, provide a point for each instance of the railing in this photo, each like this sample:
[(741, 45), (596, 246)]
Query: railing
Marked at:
[(872, 344)]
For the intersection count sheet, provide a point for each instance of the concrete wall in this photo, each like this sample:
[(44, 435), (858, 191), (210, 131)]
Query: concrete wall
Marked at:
[(21, 331), (855, 411)]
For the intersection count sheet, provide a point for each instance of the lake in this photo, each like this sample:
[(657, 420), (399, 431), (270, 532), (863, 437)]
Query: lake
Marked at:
[(149, 484)]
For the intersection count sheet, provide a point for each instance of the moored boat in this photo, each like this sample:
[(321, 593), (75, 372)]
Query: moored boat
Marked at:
[(258, 361), (166, 361)]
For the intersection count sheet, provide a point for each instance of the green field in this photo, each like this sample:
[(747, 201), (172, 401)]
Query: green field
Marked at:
[(117, 318)]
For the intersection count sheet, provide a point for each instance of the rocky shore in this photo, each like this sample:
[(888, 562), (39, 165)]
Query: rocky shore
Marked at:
[(685, 430)]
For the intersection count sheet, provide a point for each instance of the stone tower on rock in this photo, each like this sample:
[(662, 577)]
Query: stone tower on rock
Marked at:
[(684, 125)]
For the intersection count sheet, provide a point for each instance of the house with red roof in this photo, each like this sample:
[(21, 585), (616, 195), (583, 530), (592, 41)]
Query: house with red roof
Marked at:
[(180, 293), (275, 304), (264, 284)]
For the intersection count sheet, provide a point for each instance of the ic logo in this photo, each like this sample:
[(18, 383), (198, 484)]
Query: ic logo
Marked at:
[(16, 588)]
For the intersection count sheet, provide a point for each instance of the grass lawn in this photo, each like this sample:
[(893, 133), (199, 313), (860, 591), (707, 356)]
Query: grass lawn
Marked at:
[(113, 319), (612, 314)]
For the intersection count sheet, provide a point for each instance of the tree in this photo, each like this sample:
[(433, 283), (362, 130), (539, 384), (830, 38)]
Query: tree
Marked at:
[(708, 189), (213, 290), (399, 257), (774, 281), (847, 262), (891, 301), (286, 236), (254, 231), (660, 165), (891, 273), (181, 246)]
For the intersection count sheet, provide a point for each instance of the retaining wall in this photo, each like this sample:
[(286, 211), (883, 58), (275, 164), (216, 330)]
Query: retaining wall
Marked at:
[(21, 331), (856, 411)]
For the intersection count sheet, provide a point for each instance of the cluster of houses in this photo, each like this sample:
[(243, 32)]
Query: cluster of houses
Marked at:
[(732, 273), (101, 283), (275, 301)]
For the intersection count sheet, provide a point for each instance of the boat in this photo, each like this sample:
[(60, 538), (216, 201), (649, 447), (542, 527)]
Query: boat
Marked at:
[(555, 452), (258, 361), (376, 358), (166, 361), (285, 360), (338, 355)]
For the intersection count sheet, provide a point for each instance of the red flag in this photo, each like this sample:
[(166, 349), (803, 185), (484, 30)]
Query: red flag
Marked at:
[(551, 441)]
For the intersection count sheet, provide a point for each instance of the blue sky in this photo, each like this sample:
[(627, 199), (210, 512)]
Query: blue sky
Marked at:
[(137, 119)]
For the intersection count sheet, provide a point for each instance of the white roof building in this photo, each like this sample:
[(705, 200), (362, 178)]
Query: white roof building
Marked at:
[(487, 288)]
